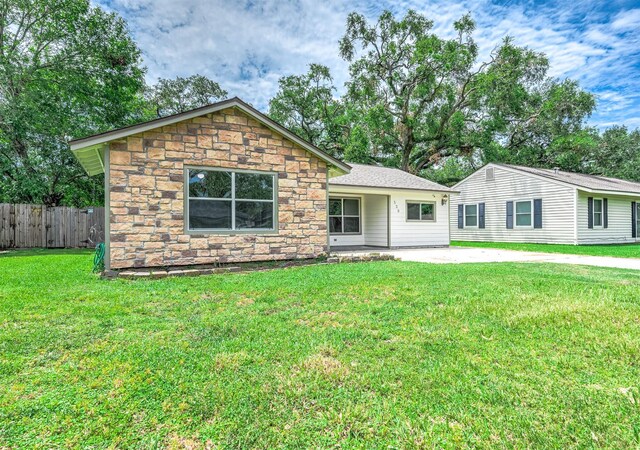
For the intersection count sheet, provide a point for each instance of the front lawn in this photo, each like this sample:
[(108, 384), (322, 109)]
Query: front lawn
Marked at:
[(617, 250), (369, 355)]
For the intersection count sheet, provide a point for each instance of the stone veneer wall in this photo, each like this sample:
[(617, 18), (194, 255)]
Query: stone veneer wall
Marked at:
[(147, 192)]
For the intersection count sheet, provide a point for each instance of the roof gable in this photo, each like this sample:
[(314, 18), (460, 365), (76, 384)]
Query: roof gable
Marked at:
[(89, 150), (589, 183), (581, 180)]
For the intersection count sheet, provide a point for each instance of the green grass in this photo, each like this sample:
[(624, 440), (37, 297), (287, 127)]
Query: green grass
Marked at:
[(369, 355), (616, 250)]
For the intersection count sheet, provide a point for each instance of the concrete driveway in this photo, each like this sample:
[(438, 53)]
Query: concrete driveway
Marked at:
[(461, 255)]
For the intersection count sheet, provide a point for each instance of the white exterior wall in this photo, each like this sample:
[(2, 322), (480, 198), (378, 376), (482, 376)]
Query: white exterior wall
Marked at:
[(619, 214), (375, 220), (406, 233), (376, 205), (558, 207)]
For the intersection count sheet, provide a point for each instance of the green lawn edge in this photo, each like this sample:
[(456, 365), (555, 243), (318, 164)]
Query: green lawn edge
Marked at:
[(631, 250)]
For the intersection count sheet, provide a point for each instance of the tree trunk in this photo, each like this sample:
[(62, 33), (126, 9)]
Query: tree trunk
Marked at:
[(408, 144)]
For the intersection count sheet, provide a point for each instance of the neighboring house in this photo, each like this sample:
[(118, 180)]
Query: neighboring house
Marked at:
[(224, 183), (505, 203)]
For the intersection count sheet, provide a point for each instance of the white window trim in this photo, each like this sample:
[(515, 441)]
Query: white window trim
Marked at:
[(593, 213), (359, 216), (420, 202), (515, 213), (464, 215), (232, 199)]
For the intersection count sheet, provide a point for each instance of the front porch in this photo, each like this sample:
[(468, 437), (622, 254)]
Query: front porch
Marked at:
[(358, 221)]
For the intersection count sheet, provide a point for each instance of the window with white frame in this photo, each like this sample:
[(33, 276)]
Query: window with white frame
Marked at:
[(470, 215), (524, 213), (344, 215), (638, 218), (597, 212), (220, 200), (421, 211)]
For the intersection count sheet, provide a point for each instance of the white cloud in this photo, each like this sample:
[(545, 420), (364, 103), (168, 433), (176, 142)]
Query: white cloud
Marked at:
[(627, 20), (248, 45)]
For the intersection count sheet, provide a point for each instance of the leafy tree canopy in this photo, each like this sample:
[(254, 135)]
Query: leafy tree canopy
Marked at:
[(174, 96), (67, 69), (306, 105), (617, 154), (431, 106)]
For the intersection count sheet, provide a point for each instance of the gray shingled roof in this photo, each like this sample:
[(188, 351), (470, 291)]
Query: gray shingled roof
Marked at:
[(580, 180), (385, 177)]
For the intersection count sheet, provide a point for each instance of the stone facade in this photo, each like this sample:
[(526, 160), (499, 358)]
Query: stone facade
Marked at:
[(146, 189)]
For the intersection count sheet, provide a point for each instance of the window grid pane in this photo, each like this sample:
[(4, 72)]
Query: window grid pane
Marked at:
[(597, 219), (426, 211), (335, 207), (413, 211), (523, 207), (252, 186), (209, 214), (251, 214), (597, 206), (210, 184)]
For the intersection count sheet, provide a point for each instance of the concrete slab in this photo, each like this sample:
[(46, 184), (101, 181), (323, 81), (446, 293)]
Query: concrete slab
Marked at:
[(465, 255)]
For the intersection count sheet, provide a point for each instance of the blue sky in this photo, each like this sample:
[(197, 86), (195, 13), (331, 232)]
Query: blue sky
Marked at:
[(247, 45)]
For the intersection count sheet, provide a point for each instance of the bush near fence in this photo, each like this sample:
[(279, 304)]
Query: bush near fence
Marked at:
[(33, 226)]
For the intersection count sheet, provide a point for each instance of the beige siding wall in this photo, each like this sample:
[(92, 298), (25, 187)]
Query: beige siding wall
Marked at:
[(619, 229), (558, 207), (146, 187)]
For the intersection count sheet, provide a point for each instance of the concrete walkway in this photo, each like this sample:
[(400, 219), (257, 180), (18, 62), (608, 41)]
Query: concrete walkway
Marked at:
[(461, 255)]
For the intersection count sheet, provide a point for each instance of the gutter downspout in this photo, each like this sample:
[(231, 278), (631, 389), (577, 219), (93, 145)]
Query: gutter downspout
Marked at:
[(107, 209)]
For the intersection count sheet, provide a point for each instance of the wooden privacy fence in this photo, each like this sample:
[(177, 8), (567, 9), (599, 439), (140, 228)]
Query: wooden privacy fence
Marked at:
[(28, 226)]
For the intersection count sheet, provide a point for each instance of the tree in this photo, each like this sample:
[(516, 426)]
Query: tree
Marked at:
[(549, 129), (306, 105), (617, 154), (424, 99), (67, 70), (423, 95), (176, 96)]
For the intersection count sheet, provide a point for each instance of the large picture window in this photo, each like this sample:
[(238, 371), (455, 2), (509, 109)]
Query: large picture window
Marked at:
[(524, 213), (344, 215), (225, 200), (423, 211)]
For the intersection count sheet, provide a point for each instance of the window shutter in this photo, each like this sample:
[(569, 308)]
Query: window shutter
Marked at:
[(537, 213), (480, 215), (590, 212), (634, 220), (460, 216), (605, 212), (509, 215)]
